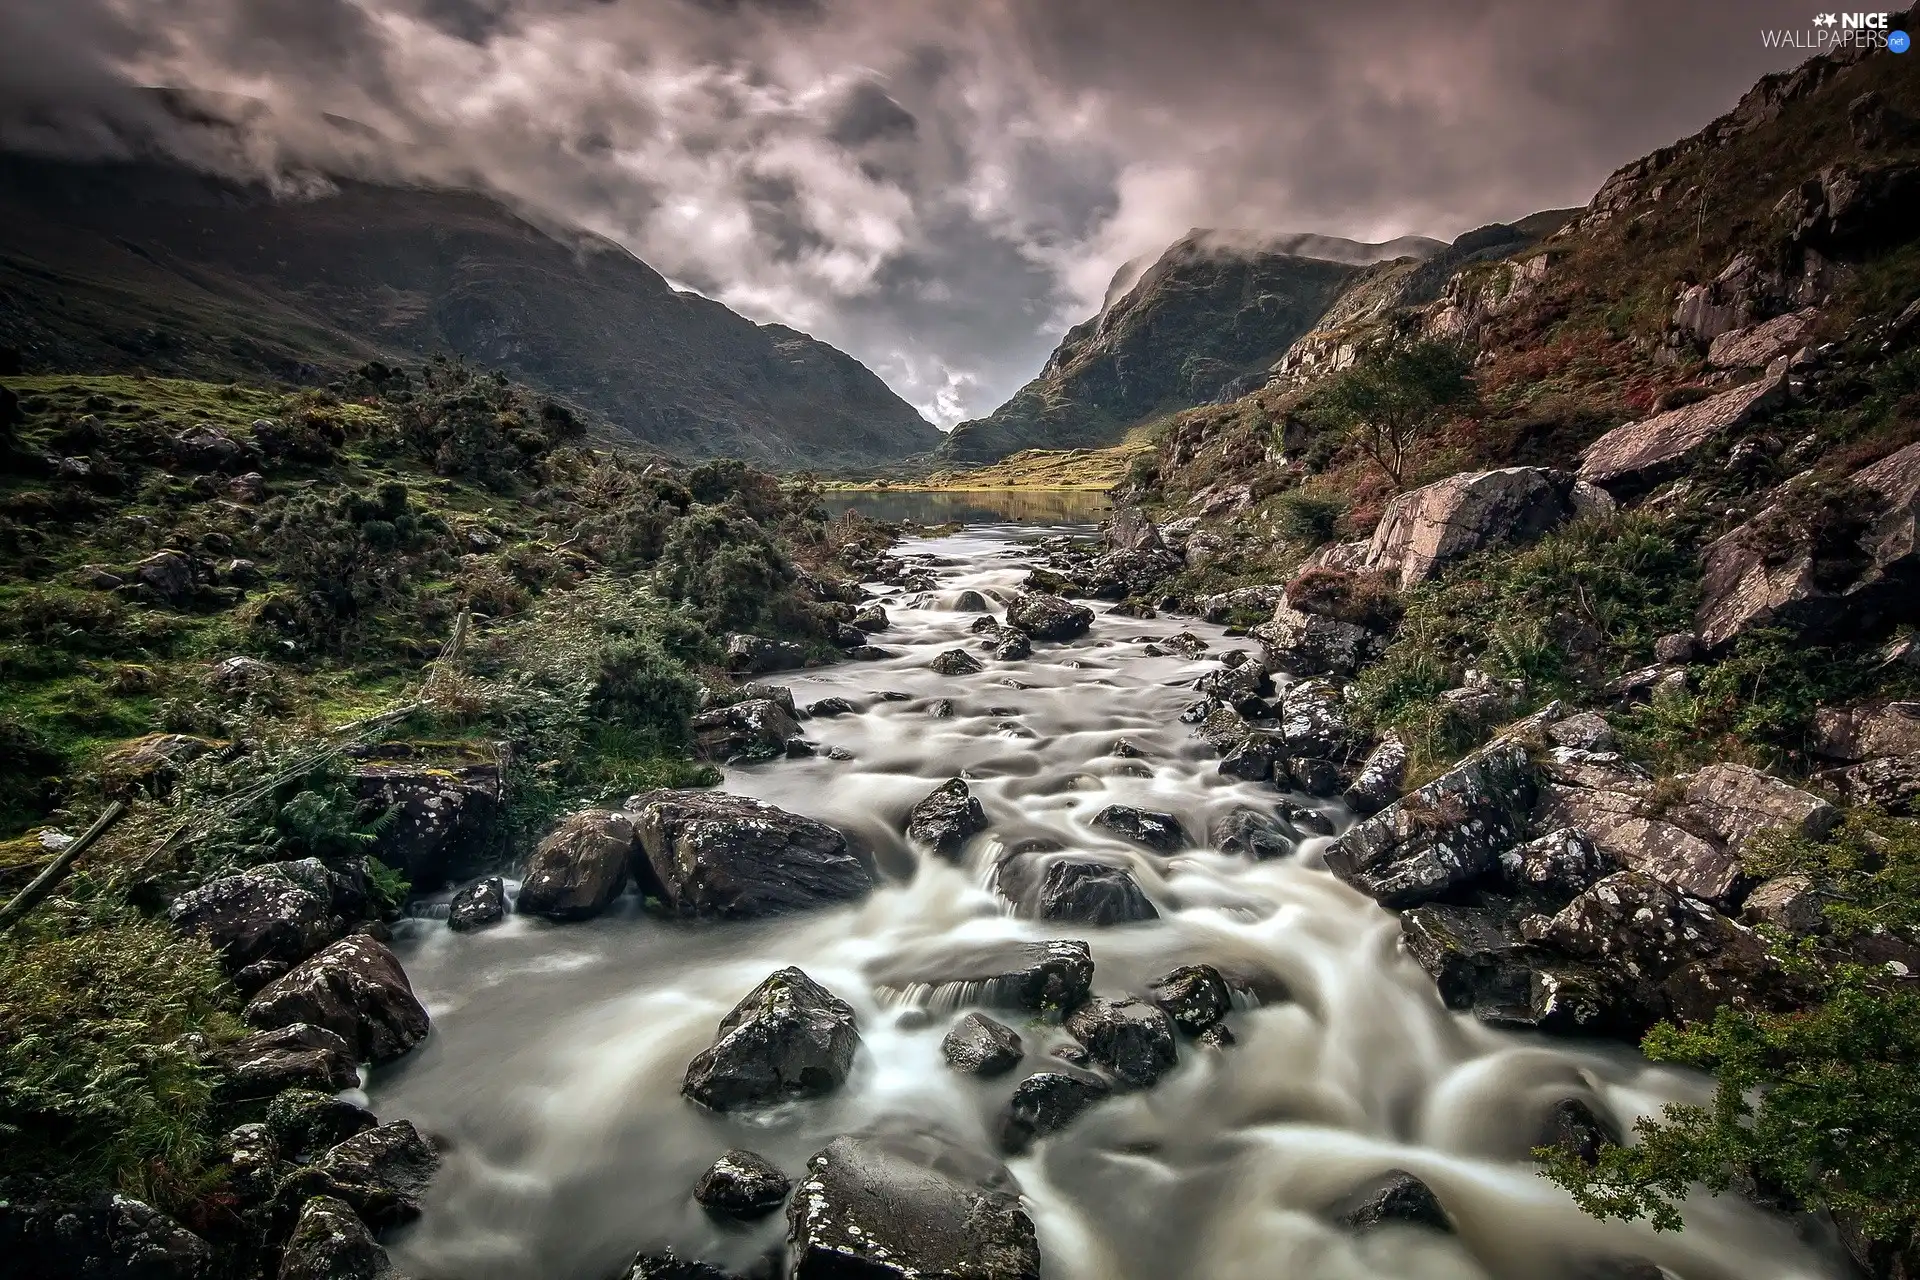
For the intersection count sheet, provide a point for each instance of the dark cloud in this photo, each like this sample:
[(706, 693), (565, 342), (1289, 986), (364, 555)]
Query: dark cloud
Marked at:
[(939, 187)]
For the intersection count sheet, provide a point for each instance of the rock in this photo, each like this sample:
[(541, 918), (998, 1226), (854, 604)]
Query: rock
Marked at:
[(1254, 758), (1221, 728), (353, 988), (827, 708), (329, 1242), (1633, 920), (889, 1207), (1867, 732), (170, 575), (742, 1185), (382, 1173), (250, 488), (111, 1237), (1735, 802), (1891, 783), (1382, 777), (788, 1038), (955, 662), (1476, 956), (1035, 976), (296, 1056), (578, 870), (1315, 777), (1311, 821), (980, 1046), (1587, 731), (151, 763), (1160, 832), (1313, 721), (1561, 863), (970, 602), (946, 818), (869, 653), (1240, 603), (480, 904), (1048, 617), (1231, 682), (844, 635), (1394, 1197), (1444, 835), (446, 810), (1574, 1128), (757, 729), (1852, 208), (1195, 996), (714, 854), (236, 676), (1759, 345), (1308, 644), (1250, 833), (1427, 528), (1611, 816), (756, 656), (1676, 649), (251, 1159), (1632, 459), (1092, 893), (872, 618), (306, 1123), (1131, 530), (1047, 1102), (1130, 1037), (1186, 644), (1012, 646), (252, 917), (1788, 902), (670, 1266)]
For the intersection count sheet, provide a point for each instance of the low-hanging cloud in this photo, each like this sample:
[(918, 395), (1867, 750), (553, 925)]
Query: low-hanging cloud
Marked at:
[(937, 187)]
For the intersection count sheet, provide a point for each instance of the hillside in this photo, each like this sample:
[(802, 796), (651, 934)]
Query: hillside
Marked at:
[(138, 266)]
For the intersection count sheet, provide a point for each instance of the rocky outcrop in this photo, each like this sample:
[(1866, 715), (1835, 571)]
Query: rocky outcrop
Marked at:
[(1309, 644), (946, 818), (787, 1038), (446, 806), (1789, 902), (1425, 529), (888, 1207), (743, 1185), (1759, 345), (329, 1242), (1382, 777), (382, 1173), (355, 989), (1602, 796), (1632, 459), (1733, 802), (1048, 617), (1131, 1038), (1079, 891), (1561, 863), (110, 1237), (1045, 1103), (578, 870), (714, 854), (305, 1124), (1867, 732), (979, 1046), (757, 655), (755, 729)]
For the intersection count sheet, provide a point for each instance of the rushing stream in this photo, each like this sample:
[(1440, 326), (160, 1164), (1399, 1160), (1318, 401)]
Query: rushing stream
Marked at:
[(554, 1067)]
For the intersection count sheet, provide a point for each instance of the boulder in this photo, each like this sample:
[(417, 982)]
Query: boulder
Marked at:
[(1561, 863), (946, 818), (252, 917), (297, 1056), (1314, 776), (741, 1184), (1476, 956), (1130, 1037), (1891, 783), (970, 602), (1009, 645), (251, 1162), (1382, 777), (1240, 603), (668, 1265), (1757, 346), (1034, 976), (306, 1123), (1195, 996), (1046, 1102), (827, 708), (480, 904), (1587, 731), (714, 854), (1867, 732), (756, 729), (1076, 891), (1048, 617), (1314, 722), (382, 1173), (1251, 833), (578, 870), (955, 662), (1855, 207), (1396, 1196), (1444, 835), (1308, 644), (110, 1237), (1612, 814), (329, 1242), (886, 1207), (171, 575), (979, 1046), (1674, 649), (788, 1038), (1632, 920), (1788, 902), (754, 655), (1734, 802), (1131, 530), (1573, 1127), (1160, 832), (1632, 459), (872, 618), (1186, 644), (1425, 529), (354, 988), (446, 809), (1255, 758), (1232, 682)]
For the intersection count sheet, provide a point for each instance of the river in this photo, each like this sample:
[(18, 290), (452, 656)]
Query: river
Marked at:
[(554, 1066)]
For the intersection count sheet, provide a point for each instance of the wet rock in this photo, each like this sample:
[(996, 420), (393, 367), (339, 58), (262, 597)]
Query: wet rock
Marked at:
[(741, 1184), (754, 655), (578, 870), (1250, 833), (1311, 821), (908, 1208), (1427, 528), (1048, 617), (1232, 682), (1573, 1127), (1788, 902), (354, 988), (1218, 1036), (1613, 819), (1242, 602), (1394, 1197), (239, 676), (446, 810), (297, 1056), (970, 602), (251, 1159), (670, 1266), (1012, 646), (1131, 530), (1195, 996), (1130, 1037), (756, 729), (329, 1242), (1562, 863), (1309, 644), (111, 1237), (1221, 728), (480, 904), (306, 1123), (946, 818), (1587, 731), (714, 854), (253, 917), (1072, 1053), (872, 618), (1160, 832), (1382, 777), (1476, 956), (382, 1173), (1633, 459), (788, 1038), (955, 662), (1313, 721), (1254, 759), (1035, 976), (869, 653), (980, 1046), (1315, 777), (1444, 835), (982, 625), (827, 708), (1734, 802), (941, 708), (1045, 1103), (1092, 893)]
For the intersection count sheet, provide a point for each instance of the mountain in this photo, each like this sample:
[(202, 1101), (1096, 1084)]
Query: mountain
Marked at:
[(146, 265), (1214, 310)]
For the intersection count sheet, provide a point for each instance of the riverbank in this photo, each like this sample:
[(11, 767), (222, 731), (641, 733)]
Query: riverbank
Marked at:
[(1047, 469)]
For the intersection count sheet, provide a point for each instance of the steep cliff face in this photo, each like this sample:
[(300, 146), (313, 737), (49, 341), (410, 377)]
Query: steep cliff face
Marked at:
[(1213, 312), (146, 266)]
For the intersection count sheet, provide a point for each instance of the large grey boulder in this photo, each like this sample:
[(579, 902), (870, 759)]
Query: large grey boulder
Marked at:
[(1048, 617), (355, 989), (1310, 644), (1867, 732), (1734, 802), (756, 729), (329, 1242), (787, 1038), (715, 854), (1610, 801), (1427, 528), (887, 1207), (754, 655), (296, 1056), (1313, 721), (577, 871), (1633, 459), (1161, 832), (946, 818), (1560, 863), (252, 917)]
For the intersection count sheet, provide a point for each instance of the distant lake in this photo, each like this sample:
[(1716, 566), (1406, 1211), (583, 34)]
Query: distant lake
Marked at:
[(975, 506)]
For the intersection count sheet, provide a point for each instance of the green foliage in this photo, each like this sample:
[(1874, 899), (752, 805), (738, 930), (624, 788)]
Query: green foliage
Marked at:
[(1393, 398), (721, 564), (342, 556), (467, 423), (1309, 517), (1868, 869)]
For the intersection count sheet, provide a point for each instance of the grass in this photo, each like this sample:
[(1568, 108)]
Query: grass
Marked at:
[(1097, 469)]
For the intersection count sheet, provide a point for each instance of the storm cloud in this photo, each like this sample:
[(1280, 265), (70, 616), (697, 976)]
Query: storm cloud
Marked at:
[(937, 187)]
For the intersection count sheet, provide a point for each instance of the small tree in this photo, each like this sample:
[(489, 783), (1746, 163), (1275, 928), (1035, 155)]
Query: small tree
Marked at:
[(1394, 398)]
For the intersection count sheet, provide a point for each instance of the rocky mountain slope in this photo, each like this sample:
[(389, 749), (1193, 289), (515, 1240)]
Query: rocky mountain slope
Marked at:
[(146, 266)]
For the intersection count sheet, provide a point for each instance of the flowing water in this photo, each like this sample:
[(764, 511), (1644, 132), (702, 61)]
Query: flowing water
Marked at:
[(554, 1066)]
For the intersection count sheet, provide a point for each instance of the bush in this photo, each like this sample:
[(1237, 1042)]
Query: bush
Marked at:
[(1309, 517), (722, 565)]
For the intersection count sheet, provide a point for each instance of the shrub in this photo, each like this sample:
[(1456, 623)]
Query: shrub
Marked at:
[(721, 564), (1309, 517), (1394, 398)]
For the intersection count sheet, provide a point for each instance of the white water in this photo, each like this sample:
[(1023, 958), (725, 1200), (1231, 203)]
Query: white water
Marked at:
[(554, 1066)]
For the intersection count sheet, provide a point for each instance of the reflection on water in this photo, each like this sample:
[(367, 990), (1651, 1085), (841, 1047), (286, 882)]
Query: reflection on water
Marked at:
[(976, 506)]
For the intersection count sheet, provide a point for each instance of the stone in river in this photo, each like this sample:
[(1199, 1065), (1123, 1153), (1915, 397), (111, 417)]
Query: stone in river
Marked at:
[(1045, 1102), (1048, 617), (1195, 996), (1093, 893), (1574, 1128), (946, 817), (715, 854), (480, 904), (355, 989), (980, 1046), (1035, 976), (669, 1266), (383, 1173), (1161, 832), (955, 662), (329, 1242), (1251, 834), (828, 707), (787, 1038), (1132, 1038), (741, 1184), (1395, 1196)]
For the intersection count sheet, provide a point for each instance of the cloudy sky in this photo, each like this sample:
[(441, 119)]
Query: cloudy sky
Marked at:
[(938, 186)]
